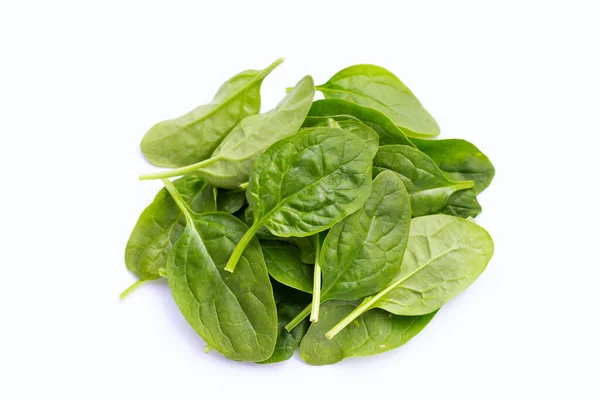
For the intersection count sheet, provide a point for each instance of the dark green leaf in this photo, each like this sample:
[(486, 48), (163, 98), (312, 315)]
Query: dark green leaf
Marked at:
[(285, 266)]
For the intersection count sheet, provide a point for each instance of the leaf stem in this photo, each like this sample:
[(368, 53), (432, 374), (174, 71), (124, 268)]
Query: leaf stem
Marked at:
[(298, 318), (130, 289), (185, 209), (170, 173), (316, 298), (357, 312), (462, 185), (241, 246)]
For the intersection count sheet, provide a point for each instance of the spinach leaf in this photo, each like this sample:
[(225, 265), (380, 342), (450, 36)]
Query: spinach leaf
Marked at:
[(443, 257), (289, 303), (232, 160), (306, 245), (285, 266), (234, 314), (389, 133), (161, 224), (376, 87), (193, 137), (362, 253), (308, 182), (428, 187), (230, 201), (374, 332), (460, 160), (462, 204)]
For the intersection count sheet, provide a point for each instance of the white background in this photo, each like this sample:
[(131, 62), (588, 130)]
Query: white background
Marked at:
[(81, 82)]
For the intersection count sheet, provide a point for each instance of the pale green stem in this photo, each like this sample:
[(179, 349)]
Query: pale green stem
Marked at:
[(241, 246), (131, 288), (207, 349), (298, 318), (244, 185), (175, 172), (461, 185), (185, 209), (316, 298), (163, 272), (357, 312)]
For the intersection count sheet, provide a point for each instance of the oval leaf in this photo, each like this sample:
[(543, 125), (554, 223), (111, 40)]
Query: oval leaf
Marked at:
[(460, 160), (308, 182), (234, 313), (374, 332), (428, 187), (362, 253), (193, 137), (376, 87)]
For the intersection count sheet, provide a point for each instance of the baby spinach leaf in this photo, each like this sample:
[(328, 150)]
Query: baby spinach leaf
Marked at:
[(161, 224), (428, 187), (230, 201), (285, 266), (444, 256), (289, 303), (374, 332), (376, 87), (193, 137), (234, 314), (232, 160), (460, 160), (363, 252), (462, 204), (308, 182), (389, 133)]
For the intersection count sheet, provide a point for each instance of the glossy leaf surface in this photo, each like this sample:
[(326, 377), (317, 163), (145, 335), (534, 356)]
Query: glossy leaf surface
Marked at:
[(375, 87), (428, 187), (234, 313), (285, 266), (374, 332), (460, 160), (362, 253), (194, 136)]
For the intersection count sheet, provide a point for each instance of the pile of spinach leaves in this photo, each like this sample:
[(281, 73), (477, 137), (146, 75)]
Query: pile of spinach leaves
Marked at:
[(338, 226)]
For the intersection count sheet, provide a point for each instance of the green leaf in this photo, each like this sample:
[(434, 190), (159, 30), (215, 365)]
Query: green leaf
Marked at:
[(306, 245), (193, 137), (232, 160), (374, 332), (161, 224), (362, 253), (444, 256), (230, 201), (460, 160), (285, 266), (389, 133), (375, 87), (462, 204), (289, 303), (234, 314), (310, 181), (428, 187)]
